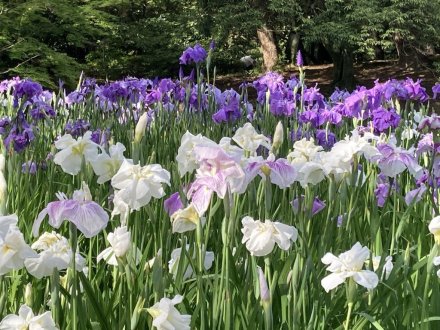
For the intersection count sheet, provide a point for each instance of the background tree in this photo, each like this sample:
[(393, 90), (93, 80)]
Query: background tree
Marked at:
[(109, 39)]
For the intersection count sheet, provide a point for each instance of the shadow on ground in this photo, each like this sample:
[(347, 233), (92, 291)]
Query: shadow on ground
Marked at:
[(365, 74)]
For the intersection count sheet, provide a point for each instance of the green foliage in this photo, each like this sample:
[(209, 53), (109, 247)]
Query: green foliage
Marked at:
[(57, 39), (362, 25)]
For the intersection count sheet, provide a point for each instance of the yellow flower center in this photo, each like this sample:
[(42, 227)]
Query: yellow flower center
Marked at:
[(437, 236), (154, 312), (78, 149), (266, 170)]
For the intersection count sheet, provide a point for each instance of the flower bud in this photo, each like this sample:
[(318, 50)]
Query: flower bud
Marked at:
[(139, 131), (278, 137), (28, 294), (299, 59), (264, 290)]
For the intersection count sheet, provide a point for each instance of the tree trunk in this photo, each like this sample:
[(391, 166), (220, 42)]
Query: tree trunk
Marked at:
[(343, 70), (379, 54), (268, 48), (407, 56), (292, 47)]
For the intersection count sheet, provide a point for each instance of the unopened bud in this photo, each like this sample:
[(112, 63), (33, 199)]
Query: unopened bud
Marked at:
[(299, 59), (278, 137), (139, 131), (28, 294), (137, 312), (264, 290)]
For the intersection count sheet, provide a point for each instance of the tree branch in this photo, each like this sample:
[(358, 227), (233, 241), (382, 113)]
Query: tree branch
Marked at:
[(10, 46), (20, 64)]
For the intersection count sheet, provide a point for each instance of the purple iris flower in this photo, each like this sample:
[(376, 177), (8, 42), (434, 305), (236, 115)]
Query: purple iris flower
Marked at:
[(435, 90), (96, 136), (355, 104), (318, 205), (29, 167), (173, 203), (330, 116), (381, 192), (384, 119), (194, 99), (27, 88), (312, 95), (310, 116), (292, 82), (77, 128), (299, 134), (271, 81), (414, 196), (229, 107), (325, 138), (279, 105), (42, 110), (21, 133), (74, 97), (339, 95), (194, 54), (5, 122), (249, 110), (415, 90)]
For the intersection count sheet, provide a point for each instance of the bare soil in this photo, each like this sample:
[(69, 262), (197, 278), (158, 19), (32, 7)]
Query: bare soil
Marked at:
[(365, 74)]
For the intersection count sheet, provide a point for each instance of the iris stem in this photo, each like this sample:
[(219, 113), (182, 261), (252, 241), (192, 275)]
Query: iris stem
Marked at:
[(347, 321), (73, 240)]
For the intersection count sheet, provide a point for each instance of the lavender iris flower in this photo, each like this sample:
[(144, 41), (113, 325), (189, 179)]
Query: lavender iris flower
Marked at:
[(280, 172), (271, 81), (415, 195), (217, 171), (89, 217), (339, 95), (431, 123), (395, 160), (425, 144)]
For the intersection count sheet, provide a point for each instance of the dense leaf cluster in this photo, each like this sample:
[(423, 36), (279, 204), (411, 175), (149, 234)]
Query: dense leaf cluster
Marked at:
[(57, 39)]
